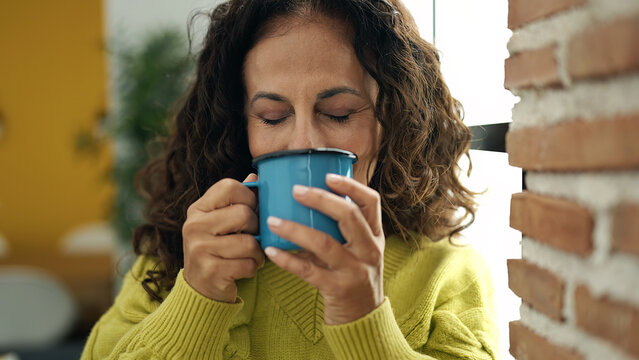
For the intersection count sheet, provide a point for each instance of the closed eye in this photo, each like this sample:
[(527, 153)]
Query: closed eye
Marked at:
[(339, 119), (272, 122)]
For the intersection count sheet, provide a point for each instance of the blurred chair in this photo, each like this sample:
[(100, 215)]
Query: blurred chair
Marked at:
[(36, 308), (45, 297)]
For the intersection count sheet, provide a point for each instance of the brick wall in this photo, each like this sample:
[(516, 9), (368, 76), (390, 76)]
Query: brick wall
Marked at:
[(575, 66)]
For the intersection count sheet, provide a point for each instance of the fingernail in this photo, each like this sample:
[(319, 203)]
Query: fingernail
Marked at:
[(270, 251), (333, 178), (300, 189), (274, 221)]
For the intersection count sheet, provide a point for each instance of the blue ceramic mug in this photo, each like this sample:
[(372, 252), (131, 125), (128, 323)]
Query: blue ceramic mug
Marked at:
[(279, 171)]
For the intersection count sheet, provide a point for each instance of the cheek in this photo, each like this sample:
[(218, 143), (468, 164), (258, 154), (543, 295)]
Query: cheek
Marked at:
[(367, 154), (263, 139), (363, 168), (257, 136), (252, 139)]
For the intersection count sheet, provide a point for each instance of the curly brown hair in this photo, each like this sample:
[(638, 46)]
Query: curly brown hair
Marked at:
[(423, 136)]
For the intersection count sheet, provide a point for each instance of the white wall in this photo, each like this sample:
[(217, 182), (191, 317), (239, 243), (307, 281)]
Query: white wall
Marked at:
[(129, 20), (472, 36), (422, 11)]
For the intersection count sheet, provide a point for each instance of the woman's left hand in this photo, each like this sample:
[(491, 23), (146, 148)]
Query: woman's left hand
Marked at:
[(349, 276)]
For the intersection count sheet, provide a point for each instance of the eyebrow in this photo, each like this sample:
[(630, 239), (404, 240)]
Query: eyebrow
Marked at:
[(338, 90), (268, 95), (325, 94)]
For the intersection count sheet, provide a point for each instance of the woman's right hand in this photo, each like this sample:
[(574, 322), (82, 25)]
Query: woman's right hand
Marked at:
[(217, 240)]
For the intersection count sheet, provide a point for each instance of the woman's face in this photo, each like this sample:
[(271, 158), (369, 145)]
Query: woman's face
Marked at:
[(305, 88)]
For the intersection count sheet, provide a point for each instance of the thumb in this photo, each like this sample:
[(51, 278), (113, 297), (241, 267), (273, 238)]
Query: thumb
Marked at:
[(250, 177)]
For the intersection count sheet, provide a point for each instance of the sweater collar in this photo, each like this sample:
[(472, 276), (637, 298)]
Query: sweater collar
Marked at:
[(299, 300)]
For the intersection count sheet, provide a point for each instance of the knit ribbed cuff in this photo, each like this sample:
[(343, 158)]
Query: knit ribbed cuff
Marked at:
[(189, 325), (374, 336)]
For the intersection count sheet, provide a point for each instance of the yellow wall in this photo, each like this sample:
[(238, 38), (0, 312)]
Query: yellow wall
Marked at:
[(52, 86)]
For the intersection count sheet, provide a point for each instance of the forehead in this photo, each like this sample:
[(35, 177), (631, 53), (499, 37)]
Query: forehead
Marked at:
[(303, 48), (281, 24)]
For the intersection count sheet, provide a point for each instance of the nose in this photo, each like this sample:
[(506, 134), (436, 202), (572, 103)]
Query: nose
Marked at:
[(306, 134)]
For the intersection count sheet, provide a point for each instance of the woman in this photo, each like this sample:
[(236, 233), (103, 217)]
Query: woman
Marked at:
[(291, 74)]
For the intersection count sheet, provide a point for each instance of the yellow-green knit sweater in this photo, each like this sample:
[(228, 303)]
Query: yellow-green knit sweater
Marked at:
[(439, 305)]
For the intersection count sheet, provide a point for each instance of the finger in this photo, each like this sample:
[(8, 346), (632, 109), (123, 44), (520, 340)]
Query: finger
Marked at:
[(250, 178), (224, 193), (303, 254), (367, 199), (352, 223), (238, 246), (303, 268), (232, 269), (319, 243), (228, 220)]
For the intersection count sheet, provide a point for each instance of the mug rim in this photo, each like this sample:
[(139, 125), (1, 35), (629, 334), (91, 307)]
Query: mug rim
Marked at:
[(323, 150)]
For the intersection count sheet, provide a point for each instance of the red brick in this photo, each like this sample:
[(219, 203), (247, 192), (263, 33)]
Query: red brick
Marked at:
[(525, 344), (532, 68), (521, 12), (606, 144), (560, 223), (605, 50), (625, 228), (614, 321), (537, 287)]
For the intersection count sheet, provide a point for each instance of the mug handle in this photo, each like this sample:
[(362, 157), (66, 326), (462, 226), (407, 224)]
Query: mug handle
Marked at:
[(253, 184)]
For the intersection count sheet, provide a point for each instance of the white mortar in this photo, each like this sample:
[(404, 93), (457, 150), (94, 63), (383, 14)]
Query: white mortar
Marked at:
[(584, 100), (597, 190), (566, 335), (568, 310), (616, 277), (563, 26)]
